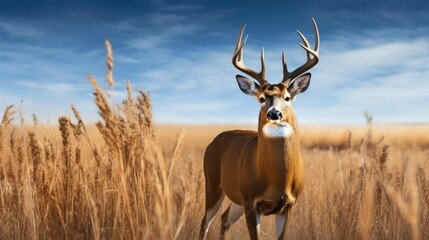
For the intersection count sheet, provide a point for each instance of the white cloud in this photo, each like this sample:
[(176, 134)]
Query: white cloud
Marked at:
[(166, 35), (387, 78), (57, 88), (19, 29)]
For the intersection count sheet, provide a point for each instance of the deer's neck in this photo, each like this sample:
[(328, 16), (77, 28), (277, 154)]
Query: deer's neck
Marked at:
[(279, 157)]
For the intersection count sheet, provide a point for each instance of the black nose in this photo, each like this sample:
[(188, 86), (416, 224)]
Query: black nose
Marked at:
[(274, 115)]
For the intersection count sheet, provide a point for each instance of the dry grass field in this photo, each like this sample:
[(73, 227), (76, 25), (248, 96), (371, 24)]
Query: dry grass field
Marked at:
[(374, 186), (126, 178)]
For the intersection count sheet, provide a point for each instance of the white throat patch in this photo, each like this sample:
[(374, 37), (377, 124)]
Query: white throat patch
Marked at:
[(279, 130)]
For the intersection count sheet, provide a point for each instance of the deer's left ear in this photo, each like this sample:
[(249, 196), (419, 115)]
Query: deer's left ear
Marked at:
[(300, 84), (247, 86)]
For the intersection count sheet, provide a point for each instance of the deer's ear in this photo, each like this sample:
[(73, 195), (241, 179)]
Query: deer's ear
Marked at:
[(247, 86), (300, 84)]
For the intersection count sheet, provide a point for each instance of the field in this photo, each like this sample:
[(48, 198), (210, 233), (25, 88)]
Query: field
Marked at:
[(125, 177)]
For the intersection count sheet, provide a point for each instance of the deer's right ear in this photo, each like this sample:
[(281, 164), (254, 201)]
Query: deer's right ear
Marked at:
[(247, 86)]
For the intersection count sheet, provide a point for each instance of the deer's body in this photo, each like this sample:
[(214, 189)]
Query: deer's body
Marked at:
[(262, 172), (267, 175)]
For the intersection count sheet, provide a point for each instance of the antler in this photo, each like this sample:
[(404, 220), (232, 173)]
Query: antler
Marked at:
[(237, 60), (312, 57)]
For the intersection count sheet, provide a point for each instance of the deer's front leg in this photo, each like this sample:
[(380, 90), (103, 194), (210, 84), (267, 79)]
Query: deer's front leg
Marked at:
[(252, 220), (281, 224)]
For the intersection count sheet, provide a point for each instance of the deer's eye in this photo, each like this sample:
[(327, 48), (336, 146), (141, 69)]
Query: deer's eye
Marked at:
[(287, 99), (261, 99)]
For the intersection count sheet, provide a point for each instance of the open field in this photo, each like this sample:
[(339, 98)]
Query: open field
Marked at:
[(358, 185), (71, 181), (126, 178)]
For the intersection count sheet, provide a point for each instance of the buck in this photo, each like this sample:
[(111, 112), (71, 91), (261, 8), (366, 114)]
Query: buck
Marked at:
[(261, 172)]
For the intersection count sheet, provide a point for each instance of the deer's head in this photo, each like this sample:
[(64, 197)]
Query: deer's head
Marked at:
[(276, 99)]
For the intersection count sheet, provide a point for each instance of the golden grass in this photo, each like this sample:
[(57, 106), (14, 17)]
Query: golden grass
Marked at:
[(337, 137), (124, 178)]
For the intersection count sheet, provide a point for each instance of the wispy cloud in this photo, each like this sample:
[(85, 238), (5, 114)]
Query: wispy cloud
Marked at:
[(19, 28), (385, 74), (48, 79), (58, 88), (164, 36)]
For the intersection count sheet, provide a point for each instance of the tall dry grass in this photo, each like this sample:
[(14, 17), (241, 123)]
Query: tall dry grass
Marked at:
[(375, 188), (75, 185), (124, 178)]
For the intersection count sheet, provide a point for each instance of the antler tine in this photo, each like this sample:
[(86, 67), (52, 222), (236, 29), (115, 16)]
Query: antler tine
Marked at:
[(284, 62), (305, 41), (316, 36), (237, 59), (263, 63), (239, 44), (312, 57)]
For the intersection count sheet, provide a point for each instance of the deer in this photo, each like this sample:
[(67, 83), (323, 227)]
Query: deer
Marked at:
[(261, 172)]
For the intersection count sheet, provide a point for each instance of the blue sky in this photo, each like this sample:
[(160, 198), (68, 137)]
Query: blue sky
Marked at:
[(374, 56)]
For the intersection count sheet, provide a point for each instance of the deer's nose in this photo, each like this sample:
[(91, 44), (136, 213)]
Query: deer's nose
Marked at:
[(274, 115)]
